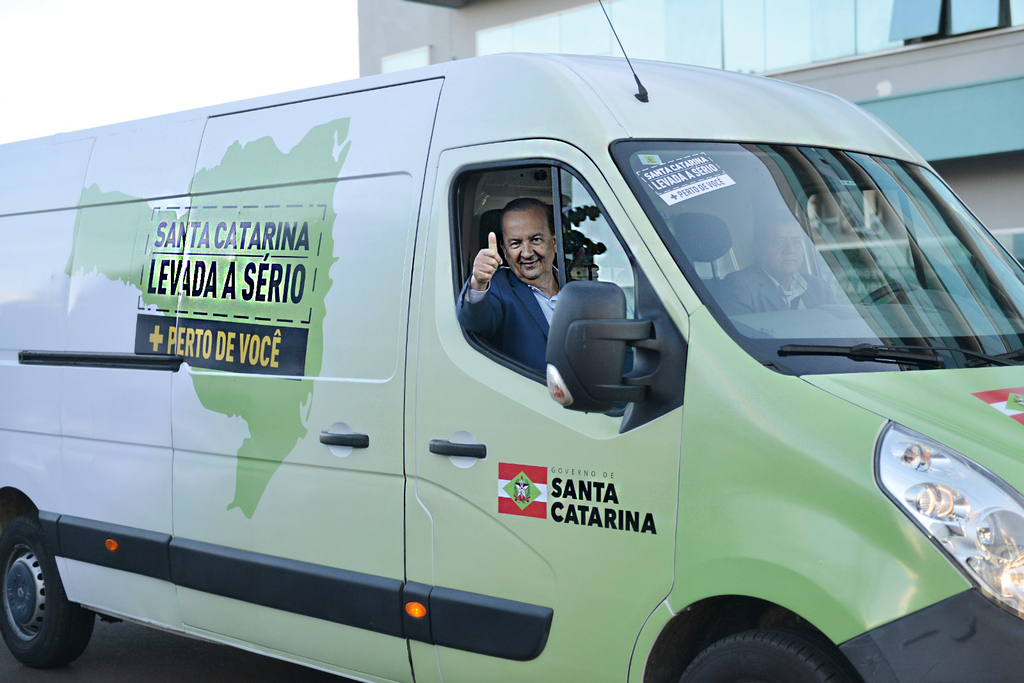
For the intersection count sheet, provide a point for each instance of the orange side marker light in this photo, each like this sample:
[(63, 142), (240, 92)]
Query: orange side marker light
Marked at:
[(415, 610), (111, 544)]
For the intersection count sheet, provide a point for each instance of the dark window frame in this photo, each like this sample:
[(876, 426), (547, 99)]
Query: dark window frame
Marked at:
[(457, 226)]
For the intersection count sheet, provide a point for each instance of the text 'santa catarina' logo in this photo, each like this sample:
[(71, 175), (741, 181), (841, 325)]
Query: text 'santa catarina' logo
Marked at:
[(1009, 402), (522, 490)]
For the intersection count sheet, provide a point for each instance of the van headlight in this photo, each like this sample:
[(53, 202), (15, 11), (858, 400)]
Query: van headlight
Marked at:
[(973, 515)]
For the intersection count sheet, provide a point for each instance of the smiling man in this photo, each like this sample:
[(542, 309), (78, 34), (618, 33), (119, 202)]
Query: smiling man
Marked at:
[(511, 307)]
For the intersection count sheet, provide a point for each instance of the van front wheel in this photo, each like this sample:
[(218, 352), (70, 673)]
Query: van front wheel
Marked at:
[(767, 656), (41, 627)]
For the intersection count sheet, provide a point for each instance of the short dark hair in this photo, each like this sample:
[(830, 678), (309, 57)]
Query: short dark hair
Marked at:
[(526, 204)]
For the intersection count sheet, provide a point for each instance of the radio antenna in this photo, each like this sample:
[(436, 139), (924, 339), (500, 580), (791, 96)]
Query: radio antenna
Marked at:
[(641, 90)]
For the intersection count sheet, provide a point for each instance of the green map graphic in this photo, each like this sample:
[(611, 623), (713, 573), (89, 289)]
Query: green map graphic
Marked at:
[(126, 239)]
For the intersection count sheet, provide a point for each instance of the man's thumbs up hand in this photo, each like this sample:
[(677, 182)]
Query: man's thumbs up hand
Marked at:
[(486, 262)]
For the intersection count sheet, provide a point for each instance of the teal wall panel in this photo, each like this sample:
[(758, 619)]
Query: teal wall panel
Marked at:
[(959, 121)]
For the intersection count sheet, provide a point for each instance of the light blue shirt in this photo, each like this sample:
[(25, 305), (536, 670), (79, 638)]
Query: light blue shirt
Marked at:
[(547, 306), (798, 288)]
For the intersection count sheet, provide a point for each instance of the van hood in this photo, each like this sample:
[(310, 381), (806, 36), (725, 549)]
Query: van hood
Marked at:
[(971, 410)]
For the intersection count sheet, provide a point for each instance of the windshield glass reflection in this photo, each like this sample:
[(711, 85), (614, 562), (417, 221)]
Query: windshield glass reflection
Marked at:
[(818, 260)]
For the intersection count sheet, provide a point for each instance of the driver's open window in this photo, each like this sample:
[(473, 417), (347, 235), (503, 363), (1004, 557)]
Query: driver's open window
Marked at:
[(584, 247)]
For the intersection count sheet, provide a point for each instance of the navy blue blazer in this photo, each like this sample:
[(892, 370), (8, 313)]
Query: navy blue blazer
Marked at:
[(509, 318)]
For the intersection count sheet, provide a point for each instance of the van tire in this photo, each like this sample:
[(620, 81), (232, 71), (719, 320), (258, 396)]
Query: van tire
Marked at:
[(41, 627), (770, 656)]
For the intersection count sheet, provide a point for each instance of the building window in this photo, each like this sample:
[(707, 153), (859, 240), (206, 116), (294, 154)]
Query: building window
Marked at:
[(401, 61), (752, 36), (918, 20), (873, 20), (915, 19), (966, 16)]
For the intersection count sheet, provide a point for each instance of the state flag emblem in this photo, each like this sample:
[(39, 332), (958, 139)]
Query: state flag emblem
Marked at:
[(522, 490), (1009, 402)]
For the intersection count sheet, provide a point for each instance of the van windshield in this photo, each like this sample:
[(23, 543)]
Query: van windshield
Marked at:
[(817, 260)]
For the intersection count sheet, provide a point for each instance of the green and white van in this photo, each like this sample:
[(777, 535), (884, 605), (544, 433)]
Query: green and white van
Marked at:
[(236, 402)]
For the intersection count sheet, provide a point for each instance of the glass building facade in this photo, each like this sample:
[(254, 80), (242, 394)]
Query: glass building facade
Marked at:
[(751, 36), (947, 75)]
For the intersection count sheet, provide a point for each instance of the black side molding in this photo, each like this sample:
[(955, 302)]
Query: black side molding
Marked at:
[(137, 551), (457, 619), (83, 359), (488, 625), (343, 597), (417, 628), (477, 623), (49, 522)]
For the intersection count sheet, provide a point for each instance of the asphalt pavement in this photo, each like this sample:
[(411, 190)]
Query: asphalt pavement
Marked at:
[(126, 653)]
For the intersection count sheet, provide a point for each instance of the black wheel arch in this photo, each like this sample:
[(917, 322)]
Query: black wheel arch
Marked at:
[(13, 504), (709, 620)]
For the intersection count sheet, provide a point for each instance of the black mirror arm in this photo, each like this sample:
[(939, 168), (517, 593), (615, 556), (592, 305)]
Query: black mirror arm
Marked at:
[(645, 380), (636, 333)]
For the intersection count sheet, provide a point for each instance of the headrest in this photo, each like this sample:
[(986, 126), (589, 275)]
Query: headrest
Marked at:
[(702, 236), (490, 222)]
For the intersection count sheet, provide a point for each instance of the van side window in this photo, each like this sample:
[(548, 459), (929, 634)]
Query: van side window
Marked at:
[(548, 229)]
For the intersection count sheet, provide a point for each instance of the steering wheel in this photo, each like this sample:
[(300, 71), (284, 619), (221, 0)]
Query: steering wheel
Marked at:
[(890, 290)]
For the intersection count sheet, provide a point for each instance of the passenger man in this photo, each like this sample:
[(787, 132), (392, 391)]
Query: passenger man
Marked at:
[(774, 281), (511, 307)]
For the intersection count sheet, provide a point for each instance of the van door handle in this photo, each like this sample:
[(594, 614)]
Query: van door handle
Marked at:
[(465, 450), (351, 440)]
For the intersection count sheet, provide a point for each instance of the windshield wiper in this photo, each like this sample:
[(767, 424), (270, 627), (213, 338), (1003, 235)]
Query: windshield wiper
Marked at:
[(866, 352), (921, 355), (1007, 358)]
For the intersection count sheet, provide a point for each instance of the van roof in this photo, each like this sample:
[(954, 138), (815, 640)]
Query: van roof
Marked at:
[(519, 96), (539, 96)]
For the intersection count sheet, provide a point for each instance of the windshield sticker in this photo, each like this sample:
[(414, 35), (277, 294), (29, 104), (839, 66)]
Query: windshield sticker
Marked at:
[(649, 159), (685, 178), (1009, 402)]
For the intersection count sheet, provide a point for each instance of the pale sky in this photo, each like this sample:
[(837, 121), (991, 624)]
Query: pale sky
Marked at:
[(73, 64)]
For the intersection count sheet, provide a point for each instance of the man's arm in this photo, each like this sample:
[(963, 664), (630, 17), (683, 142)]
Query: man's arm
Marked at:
[(477, 309)]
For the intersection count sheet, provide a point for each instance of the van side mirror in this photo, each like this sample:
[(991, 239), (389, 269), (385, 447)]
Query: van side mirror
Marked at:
[(586, 348)]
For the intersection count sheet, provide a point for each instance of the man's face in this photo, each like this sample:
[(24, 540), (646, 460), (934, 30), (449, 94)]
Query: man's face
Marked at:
[(529, 244), (781, 250)]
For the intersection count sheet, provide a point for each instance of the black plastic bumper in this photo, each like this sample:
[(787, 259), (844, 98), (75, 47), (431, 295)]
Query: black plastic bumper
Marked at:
[(963, 639)]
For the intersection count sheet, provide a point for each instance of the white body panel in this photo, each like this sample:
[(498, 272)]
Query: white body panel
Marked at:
[(156, 160), (293, 500), (41, 175)]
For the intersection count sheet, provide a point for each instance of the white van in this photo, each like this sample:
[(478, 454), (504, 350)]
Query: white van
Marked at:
[(236, 401)]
